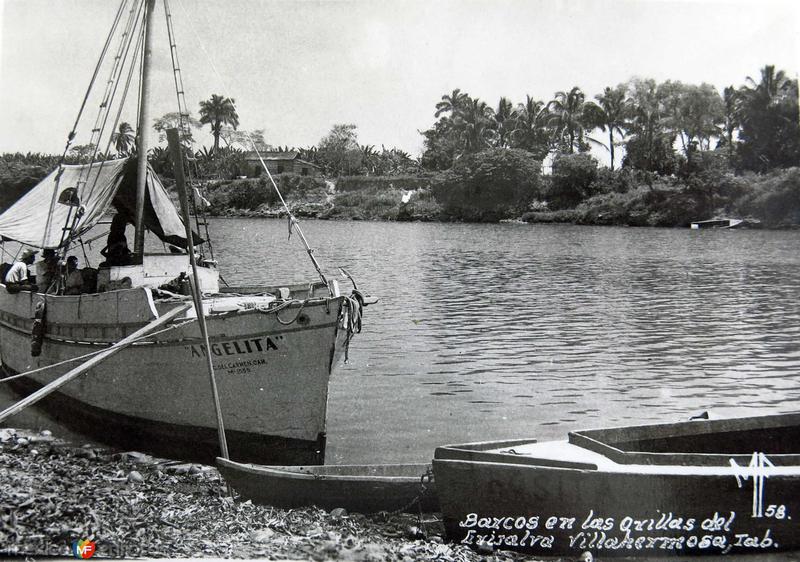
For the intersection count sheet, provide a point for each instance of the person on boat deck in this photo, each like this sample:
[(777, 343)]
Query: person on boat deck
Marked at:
[(17, 278), (74, 281), (116, 251), (47, 268)]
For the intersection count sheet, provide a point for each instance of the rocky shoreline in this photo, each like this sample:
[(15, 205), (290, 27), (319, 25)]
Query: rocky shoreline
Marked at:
[(132, 505)]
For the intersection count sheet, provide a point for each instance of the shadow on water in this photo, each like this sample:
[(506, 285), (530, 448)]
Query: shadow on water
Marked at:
[(499, 331)]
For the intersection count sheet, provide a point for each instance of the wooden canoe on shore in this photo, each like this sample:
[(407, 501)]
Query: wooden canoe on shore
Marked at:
[(698, 487), (356, 488)]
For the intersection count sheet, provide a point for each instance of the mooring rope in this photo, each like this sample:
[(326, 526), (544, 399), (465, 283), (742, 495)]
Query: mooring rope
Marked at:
[(424, 490), (355, 310)]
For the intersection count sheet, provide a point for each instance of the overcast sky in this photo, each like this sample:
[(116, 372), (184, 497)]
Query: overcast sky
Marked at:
[(296, 68)]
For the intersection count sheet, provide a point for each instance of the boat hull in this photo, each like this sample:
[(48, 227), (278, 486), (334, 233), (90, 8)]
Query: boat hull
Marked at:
[(191, 443), (356, 488), (562, 499), (272, 371), (567, 511)]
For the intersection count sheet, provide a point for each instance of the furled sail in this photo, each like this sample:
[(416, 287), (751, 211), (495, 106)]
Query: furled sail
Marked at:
[(107, 184)]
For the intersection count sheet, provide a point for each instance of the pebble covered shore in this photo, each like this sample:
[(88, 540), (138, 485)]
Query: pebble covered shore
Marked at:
[(131, 505)]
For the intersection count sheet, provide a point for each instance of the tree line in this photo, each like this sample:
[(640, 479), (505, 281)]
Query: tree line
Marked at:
[(337, 153), (661, 126), (676, 151)]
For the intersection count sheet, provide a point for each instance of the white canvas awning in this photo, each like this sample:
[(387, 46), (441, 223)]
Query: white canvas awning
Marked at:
[(106, 184)]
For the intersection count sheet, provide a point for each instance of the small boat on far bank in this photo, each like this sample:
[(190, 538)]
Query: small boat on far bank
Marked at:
[(725, 223), (698, 487), (356, 488)]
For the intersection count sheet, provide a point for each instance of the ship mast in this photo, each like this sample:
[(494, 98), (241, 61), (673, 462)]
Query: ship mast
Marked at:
[(144, 119)]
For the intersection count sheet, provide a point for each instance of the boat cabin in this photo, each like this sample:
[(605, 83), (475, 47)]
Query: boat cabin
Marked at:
[(155, 271)]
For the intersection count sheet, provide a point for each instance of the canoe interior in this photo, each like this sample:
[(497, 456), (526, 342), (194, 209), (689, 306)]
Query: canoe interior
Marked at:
[(361, 471), (503, 452), (701, 442), (698, 442)]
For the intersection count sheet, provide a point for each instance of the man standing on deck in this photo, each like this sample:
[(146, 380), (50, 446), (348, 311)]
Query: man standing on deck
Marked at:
[(47, 269), (74, 280), (17, 277), (116, 251)]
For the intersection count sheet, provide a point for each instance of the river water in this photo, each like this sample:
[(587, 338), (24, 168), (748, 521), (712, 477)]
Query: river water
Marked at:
[(498, 331), (510, 330)]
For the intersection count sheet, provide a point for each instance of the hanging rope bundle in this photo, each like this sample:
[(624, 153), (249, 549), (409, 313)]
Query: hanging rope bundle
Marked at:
[(354, 307)]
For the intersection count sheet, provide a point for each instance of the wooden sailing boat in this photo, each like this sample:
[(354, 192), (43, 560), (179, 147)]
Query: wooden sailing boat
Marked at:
[(273, 347)]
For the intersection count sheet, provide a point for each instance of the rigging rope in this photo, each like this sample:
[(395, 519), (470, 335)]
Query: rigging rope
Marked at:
[(109, 100), (72, 133), (293, 222), (111, 88), (99, 128), (355, 309), (69, 234), (185, 128), (128, 80), (103, 114)]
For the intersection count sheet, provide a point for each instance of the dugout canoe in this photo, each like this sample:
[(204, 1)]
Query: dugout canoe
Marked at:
[(698, 487), (356, 488)]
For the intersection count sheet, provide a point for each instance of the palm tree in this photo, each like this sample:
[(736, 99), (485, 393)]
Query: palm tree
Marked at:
[(771, 86), (568, 119), (124, 139), (758, 98), (309, 154), (730, 101), (505, 117), (159, 159), (452, 103), (369, 157), (445, 142), (477, 125), (610, 114), (768, 115), (530, 128), (218, 111)]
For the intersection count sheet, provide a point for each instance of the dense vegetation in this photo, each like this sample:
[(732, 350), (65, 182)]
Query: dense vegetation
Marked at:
[(677, 152), (488, 185), (306, 196), (686, 150)]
